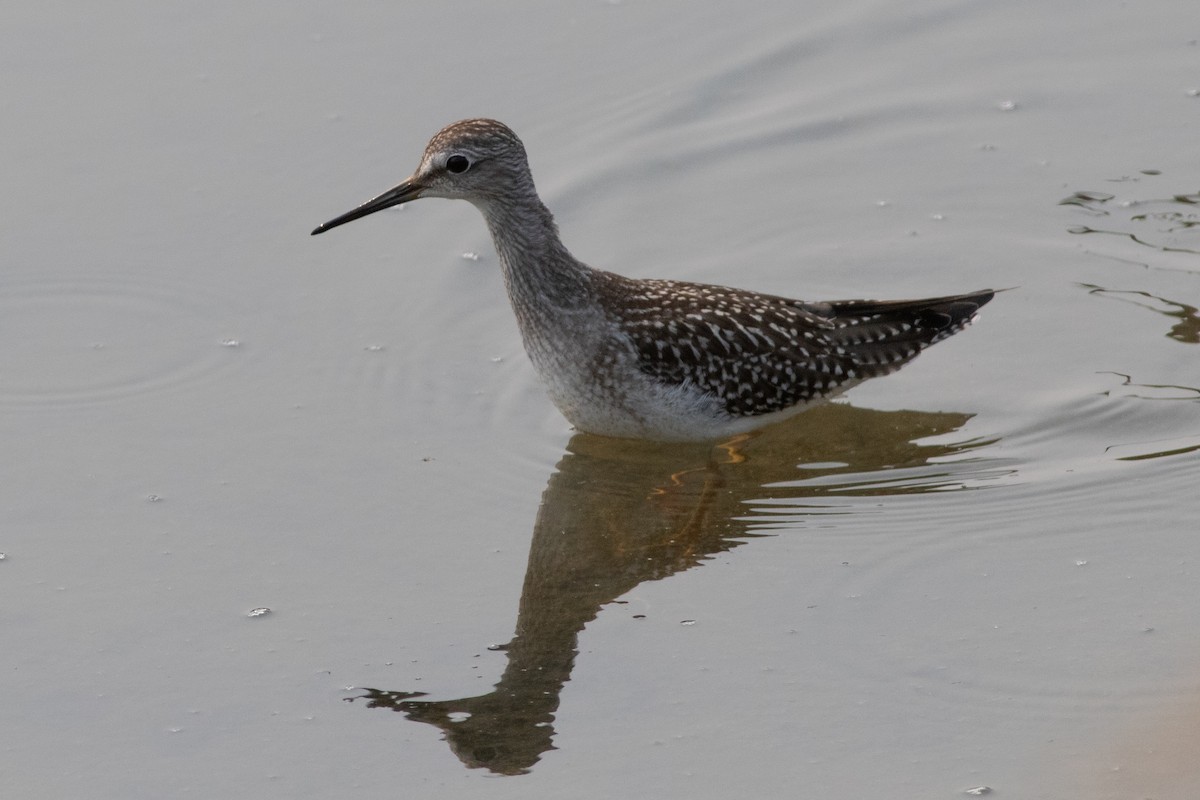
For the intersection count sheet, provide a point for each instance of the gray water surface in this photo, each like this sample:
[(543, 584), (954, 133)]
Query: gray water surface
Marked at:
[(977, 572)]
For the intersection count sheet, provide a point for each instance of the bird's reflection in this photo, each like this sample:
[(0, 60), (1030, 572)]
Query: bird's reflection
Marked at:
[(617, 513)]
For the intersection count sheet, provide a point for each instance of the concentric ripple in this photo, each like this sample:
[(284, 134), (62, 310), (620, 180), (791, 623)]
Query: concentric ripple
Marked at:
[(90, 341)]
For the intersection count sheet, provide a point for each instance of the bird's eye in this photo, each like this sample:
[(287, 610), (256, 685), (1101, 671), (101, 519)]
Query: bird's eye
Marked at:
[(458, 164)]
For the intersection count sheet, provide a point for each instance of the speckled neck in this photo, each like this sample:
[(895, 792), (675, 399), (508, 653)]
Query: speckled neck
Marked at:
[(539, 272)]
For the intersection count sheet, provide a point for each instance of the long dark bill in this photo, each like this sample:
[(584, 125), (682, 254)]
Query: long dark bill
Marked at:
[(392, 197)]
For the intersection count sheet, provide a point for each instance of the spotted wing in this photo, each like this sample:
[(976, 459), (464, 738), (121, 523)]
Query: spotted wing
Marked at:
[(758, 353)]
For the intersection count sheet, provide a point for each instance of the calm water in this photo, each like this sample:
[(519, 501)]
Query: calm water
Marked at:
[(979, 571)]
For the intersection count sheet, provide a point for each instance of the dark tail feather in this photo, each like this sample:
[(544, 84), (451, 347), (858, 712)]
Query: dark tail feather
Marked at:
[(930, 314), (890, 333)]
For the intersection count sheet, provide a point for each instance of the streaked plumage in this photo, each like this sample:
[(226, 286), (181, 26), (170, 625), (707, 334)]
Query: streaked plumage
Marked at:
[(661, 359)]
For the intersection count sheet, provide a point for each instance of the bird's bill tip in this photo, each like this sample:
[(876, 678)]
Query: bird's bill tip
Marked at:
[(409, 190)]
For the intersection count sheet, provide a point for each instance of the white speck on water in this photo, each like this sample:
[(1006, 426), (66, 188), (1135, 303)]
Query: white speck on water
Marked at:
[(458, 716), (1193, 92), (259, 612), (978, 790), (497, 359), (373, 348), (1081, 563), (883, 203), (3, 556), (469, 256), (174, 730), (1007, 105), (230, 343), (938, 217), (153, 498)]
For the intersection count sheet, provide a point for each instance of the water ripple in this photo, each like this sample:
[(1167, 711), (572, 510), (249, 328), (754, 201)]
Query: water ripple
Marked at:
[(1168, 224), (83, 341)]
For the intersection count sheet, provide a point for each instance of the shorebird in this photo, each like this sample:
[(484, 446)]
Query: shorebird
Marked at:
[(660, 359)]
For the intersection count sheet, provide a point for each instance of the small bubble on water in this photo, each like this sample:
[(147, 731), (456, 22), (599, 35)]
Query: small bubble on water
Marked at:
[(978, 791), (883, 203), (230, 343), (1007, 105), (3, 556), (153, 498), (174, 730), (458, 716), (497, 359), (373, 348), (470, 256), (1081, 562), (497, 647), (1193, 92), (258, 612), (938, 217)]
